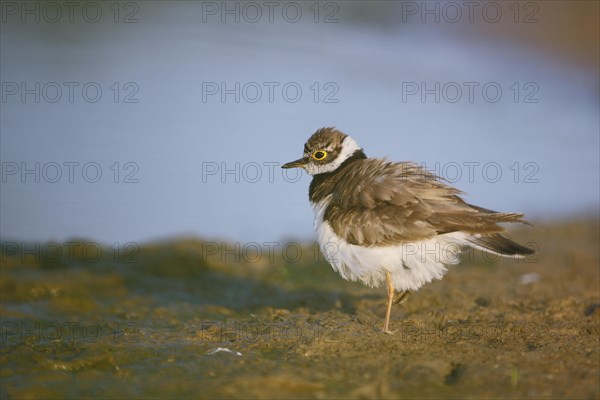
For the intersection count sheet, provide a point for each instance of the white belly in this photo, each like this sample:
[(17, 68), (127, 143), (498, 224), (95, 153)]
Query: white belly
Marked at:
[(411, 264)]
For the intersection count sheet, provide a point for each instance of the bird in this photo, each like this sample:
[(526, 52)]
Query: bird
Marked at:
[(390, 223)]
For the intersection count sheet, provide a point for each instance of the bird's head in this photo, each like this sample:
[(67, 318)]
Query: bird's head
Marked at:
[(325, 151)]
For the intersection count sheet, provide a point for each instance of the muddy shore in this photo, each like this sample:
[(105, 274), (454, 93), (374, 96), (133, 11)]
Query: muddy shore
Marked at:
[(167, 321)]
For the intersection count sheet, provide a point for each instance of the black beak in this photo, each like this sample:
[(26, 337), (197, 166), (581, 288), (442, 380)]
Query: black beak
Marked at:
[(299, 163)]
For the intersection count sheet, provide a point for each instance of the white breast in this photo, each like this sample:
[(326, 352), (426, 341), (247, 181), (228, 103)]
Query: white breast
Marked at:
[(411, 264)]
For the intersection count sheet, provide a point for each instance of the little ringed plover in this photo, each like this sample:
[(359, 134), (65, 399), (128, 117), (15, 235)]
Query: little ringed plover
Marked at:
[(394, 222)]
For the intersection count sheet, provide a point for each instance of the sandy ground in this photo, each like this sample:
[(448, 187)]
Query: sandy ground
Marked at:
[(174, 323)]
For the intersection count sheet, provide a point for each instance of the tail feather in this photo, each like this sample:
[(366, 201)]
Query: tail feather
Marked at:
[(501, 245)]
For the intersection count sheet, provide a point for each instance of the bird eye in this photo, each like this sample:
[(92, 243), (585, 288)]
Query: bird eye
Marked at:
[(319, 155)]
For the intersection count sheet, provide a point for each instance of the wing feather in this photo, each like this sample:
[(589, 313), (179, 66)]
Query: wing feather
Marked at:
[(379, 203)]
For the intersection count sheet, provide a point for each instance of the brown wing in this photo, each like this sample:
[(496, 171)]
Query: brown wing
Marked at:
[(378, 203)]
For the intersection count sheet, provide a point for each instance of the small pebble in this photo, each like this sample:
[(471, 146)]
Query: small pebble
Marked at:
[(528, 279)]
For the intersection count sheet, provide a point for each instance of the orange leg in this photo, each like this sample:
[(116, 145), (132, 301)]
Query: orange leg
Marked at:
[(390, 287), (400, 297)]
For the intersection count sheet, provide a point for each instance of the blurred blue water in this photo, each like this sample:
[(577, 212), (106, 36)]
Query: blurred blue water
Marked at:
[(172, 135)]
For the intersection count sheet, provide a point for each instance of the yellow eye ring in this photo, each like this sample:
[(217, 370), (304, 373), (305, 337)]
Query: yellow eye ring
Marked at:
[(319, 155)]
